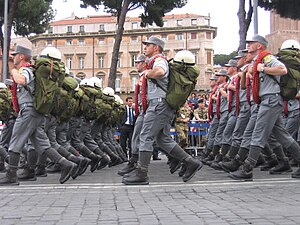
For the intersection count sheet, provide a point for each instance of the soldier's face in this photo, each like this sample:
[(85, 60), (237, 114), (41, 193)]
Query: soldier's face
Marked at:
[(150, 49)]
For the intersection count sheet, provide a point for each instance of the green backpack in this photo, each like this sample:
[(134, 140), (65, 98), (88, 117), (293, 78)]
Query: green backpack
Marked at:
[(67, 103), (5, 104), (91, 103), (182, 81), (290, 83), (49, 76)]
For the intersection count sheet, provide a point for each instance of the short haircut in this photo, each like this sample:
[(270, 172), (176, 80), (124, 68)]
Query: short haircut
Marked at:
[(129, 97)]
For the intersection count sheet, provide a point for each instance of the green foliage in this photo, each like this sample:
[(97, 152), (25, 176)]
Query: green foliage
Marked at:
[(222, 59), (153, 10), (31, 16), (285, 8)]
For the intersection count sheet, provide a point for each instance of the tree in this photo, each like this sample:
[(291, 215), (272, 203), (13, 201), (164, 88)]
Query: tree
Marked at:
[(285, 8), (25, 17), (222, 59), (244, 22), (153, 12)]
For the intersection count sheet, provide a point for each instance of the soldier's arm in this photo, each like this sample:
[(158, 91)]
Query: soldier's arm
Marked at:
[(18, 78)]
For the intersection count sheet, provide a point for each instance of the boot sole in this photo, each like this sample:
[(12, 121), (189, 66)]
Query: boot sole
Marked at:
[(71, 171), (27, 179), (193, 174), (239, 179), (83, 167), (136, 183), (282, 172)]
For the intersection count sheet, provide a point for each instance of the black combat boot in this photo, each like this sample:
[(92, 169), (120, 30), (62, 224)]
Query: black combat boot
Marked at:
[(27, 174), (131, 165), (271, 162), (83, 164), (114, 158), (105, 160), (2, 167), (174, 164), (68, 168), (296, 174), (282, 167), (95, 159), (139, 176), (40, 171), (192, 165), (232, 165), (11, 177), (245, 173), (182, 170), (215, 164)]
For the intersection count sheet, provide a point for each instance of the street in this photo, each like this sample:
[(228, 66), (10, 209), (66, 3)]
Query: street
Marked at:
[(100, 198)]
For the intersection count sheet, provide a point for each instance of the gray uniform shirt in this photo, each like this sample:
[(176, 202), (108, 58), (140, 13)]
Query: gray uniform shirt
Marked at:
[(224, 102), (153, 91), (293, 105), (267, 83), (24, 94)]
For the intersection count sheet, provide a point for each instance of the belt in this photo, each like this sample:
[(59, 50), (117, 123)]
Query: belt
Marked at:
[(156, 100), (269, 95), (26, 104)]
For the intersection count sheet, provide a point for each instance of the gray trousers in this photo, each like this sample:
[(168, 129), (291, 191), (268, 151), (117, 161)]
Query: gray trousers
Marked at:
[(221, 127), (62, 130), (6, 133), (29, 125), (241, 124), (247, 136), (156, 126), (293, 123), (135, 142), (228, 131), (269, 121), (212, 132), (50, 128)]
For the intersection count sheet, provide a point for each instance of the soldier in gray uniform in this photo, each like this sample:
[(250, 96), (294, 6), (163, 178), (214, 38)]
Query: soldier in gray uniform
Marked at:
[(222, 114), (213, 118), (269, 118), (158, 117), (29, 123), (231, 120)]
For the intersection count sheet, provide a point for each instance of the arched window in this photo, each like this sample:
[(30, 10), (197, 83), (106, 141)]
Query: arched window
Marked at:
[(101, 76)]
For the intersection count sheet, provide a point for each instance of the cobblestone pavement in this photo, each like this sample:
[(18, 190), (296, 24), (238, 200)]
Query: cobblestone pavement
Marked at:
[(100, 198)]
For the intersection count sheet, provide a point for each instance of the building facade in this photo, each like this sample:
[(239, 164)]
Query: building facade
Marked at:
[(87, 45), (282, 29)]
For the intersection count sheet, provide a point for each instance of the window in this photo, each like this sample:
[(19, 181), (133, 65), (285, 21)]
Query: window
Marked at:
[(208, 57), (165, 23), (81, 62), (134, 39), (101, 76), (133, 58), (134, 81), (49, 42), (101, 27), (69, 29), (179, 36), (179, 22), (194, 22), (193, 35), (101, 61), (195, 53), (134, 25), (69, 42), (101, 40), (119, 61), (164, 37), (69, 62), (118, 84), (208, 35), (81, 41), (81, 28), (50, 30)]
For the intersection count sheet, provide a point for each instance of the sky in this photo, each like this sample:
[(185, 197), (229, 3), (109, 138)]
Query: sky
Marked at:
[(223, 16)]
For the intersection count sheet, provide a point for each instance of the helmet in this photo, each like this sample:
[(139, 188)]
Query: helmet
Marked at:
[(51, 52), (108, 91), (97, 82), (87, 82), (184, 56), (290, 44), (2, 85), (118, 99), (67, 71)]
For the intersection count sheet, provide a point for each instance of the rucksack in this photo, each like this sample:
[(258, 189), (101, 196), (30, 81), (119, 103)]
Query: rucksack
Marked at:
[(290, 83), (91, 103), (5, 104), (182, 81), (67, 103), (49, 75)]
